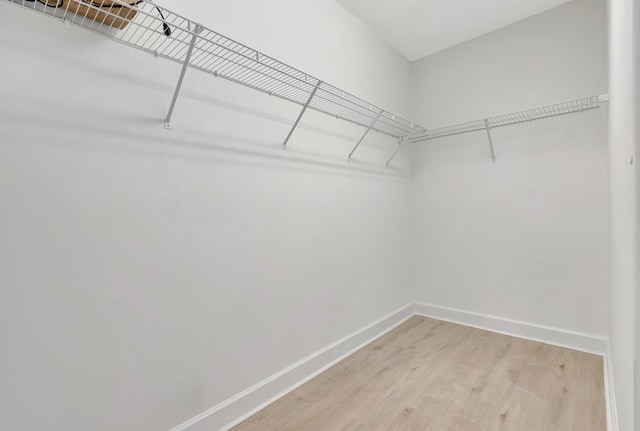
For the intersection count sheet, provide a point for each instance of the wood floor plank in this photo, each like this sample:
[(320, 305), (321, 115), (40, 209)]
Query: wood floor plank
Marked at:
[(429, 375)]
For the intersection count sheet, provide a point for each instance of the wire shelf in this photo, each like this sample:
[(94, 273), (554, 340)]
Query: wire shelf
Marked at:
[(158, 31), (564, 108)]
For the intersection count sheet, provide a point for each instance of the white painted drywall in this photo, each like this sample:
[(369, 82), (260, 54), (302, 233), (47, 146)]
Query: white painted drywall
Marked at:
[(147, 275), (622, 205), (636, 369), (524, 238)]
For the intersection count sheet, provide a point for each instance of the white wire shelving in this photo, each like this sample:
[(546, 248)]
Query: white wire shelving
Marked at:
[(163, 33), (564, 108), (144, 25)]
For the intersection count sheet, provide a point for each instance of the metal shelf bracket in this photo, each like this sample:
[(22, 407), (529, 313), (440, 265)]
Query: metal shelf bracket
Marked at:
[(304, 109), (401, 141), (197, 30), (364, 135), (486, 125)]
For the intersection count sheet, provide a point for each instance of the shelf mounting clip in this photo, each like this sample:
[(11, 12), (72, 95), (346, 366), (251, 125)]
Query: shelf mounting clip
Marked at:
[(196, 31), (366, 132), (304, 109), (486, 126)]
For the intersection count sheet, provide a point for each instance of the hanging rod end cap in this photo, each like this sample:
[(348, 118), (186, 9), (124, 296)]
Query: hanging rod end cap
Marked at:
[(167, 125)]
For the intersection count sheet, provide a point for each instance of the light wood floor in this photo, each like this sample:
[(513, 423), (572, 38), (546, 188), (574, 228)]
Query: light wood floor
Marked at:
[(430, 375)]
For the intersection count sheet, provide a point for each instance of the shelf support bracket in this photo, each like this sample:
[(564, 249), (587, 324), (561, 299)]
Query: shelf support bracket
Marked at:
[(366, 132), (194, 37), (493, 154), (304, 109), (401, 141)]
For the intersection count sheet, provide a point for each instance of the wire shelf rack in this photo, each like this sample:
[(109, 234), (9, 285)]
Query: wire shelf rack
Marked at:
[(564, 108), (163, 33)]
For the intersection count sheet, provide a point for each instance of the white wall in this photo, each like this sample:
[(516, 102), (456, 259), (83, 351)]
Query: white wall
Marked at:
[(148, 275), (525, 238), (552, 57), (622, 205), (637, 246)]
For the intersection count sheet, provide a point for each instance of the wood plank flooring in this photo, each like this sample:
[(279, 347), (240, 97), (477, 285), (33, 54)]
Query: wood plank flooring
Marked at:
[(430, 375)]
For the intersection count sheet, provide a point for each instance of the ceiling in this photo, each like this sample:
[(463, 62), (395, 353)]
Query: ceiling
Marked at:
[(417, 28)]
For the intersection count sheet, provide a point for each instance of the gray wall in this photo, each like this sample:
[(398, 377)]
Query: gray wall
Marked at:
[(525, 238), (148, 275)]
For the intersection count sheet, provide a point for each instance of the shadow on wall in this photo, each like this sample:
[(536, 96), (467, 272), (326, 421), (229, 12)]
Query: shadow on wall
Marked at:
[(148, 75), (231, 150)]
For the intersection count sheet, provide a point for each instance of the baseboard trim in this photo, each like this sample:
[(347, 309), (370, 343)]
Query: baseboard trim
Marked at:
[(609, 392), (236, 409), (530, 331)]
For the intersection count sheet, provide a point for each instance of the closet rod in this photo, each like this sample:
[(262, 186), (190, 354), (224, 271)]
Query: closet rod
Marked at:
[(165, 34)]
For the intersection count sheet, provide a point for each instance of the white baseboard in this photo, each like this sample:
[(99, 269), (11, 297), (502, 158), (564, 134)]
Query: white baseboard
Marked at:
[(610, 395), (236, 409), (544, 334)]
